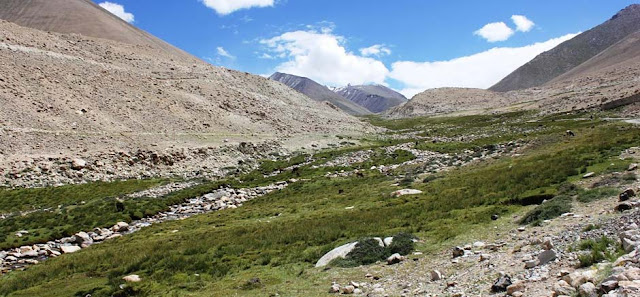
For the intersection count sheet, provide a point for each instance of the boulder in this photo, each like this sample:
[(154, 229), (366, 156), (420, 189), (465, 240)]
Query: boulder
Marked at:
[(632, 167), (83, 239), (120, 227), (339, 252), (501, 284), (335, 288), (68, 249), (623, 207), (435, 275), (515, 287), (78, 164), (563, 288), (626, 195), (588, 290), (348, 289), (388, 241), (609, 286), (589, 175), (458, 252), (394, 259), (547, 243), (546, 256)]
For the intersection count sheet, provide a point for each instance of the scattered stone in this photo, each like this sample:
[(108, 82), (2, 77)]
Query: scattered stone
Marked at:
[(626, 195), (588, 290), (68, 249), (403, 192), (501, 284), (120, 227), (632, 167), (134, 278), (458, 252), (78, 164), (563, 288), (335, 288), (515, 287), (395, 258), (547, 256), (624, 206), (547, 243), (348, 289), (589, 175), (435, 275)]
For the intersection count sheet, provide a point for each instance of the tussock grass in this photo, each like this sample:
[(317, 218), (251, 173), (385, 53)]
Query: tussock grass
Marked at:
[(279, 235)]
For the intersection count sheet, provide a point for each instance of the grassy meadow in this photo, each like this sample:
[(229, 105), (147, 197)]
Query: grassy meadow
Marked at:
[(279, 237)]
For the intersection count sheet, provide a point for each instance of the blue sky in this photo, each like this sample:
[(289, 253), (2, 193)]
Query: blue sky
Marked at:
[(409, 45)]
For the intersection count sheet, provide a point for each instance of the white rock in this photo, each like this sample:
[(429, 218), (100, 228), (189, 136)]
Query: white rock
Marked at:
[(588, 290), (339, 252), (78, 164), (403, 192), (68, 249), (134, 278)]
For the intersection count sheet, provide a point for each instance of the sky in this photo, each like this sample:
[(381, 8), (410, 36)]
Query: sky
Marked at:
[(408, 45)]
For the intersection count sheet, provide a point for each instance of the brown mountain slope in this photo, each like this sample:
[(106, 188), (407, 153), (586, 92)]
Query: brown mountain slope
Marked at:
[(64, 93), (623, 53), (447, 100), (80, 17), (551, 64)]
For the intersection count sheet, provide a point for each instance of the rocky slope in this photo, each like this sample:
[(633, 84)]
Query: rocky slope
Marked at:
[(67, 95), (375, 98), (572, 53), (318, 92), (448, 100), (79, 17)]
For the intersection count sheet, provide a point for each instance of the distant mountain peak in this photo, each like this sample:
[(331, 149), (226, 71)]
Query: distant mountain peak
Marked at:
[(318, 92), (376, 98)]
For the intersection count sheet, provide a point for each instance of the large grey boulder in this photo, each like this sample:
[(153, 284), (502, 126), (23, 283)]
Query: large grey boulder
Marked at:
[(339, 252)]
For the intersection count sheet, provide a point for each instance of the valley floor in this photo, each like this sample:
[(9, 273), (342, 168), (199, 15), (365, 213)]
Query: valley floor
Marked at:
[(239, 239)]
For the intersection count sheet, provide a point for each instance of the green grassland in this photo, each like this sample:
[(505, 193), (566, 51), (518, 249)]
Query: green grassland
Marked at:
[(278, 237)]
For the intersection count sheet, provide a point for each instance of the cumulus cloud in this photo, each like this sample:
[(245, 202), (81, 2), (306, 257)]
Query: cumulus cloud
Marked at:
[(523, 24), (225, 7), (494, 32), (322, 56), (375, 50), (480, 70), (118, 10), (224, 53)]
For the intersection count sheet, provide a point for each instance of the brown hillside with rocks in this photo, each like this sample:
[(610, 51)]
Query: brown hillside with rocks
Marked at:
[(448, 100), (570, 54), (79, 17), (69, 95)]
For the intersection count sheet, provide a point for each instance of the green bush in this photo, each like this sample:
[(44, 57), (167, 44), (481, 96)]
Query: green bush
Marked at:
[(369, 251), (599, 250), (548, 210)]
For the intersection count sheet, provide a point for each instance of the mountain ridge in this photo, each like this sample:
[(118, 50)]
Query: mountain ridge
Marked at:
[(376, 98), (318, 92), (570, 54)]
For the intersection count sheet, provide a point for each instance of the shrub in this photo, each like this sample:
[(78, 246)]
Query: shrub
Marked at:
[(548, 210), (369, 251), (601, 249)]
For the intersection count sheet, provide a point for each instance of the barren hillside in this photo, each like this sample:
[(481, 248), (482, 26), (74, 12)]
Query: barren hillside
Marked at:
[(447, 100), (572, 53), (75, 94)]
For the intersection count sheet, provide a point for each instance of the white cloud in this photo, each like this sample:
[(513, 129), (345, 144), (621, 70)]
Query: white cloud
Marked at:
[(493, 32), (118, 10), (322, 56), (223, 53), (225, 7), (523, 24), (480, 70), (375, 50)]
